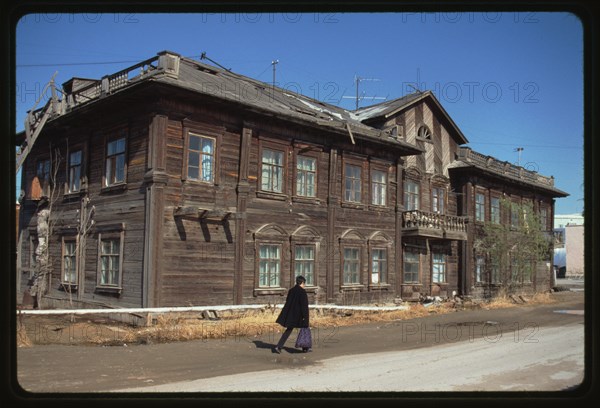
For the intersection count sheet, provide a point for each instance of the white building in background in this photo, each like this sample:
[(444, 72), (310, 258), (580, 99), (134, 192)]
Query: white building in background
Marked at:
[(569, 245)]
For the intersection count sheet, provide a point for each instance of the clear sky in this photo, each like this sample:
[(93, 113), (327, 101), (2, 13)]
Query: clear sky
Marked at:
[(508, 80)]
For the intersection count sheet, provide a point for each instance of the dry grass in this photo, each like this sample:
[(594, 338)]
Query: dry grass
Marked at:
[(504, 300), (251, 324)]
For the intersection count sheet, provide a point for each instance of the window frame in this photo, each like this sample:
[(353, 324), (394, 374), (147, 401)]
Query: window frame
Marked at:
[(515, 216), (75, 255), (382, 274), (382, 186), (495, 211), (480, 207), (407, 195), (192, 133), (82, 171), (44, 184), (417, 253), (357, 261), (115, 136), (110, 236), (435, 199), (280, 248), (444, 271), (352, 191), (480, 269), (297, 172), (309, 282)]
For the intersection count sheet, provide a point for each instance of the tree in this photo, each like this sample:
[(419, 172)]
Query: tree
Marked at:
[(514, 249)]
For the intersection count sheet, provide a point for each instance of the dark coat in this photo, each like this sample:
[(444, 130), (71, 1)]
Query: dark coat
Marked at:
[(295, 309)]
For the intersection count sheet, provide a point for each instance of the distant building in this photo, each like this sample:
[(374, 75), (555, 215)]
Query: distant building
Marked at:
[(568, 245)]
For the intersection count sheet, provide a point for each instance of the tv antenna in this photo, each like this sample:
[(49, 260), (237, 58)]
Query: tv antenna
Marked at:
[(357, 98), (203, 56), (518, 150), (274, 63)]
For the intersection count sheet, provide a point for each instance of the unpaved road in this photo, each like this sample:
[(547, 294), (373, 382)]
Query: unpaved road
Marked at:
[(526, 347), (541, 360)]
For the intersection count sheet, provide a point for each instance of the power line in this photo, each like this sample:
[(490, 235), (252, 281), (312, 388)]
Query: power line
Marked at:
[(66, 64)]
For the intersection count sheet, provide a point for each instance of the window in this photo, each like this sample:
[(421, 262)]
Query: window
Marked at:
[(495, 207), (43, 176), (351, 265), (515, 269), (526, 270), (439, 267), (378, 265), (479, 269), (411, 266), (544, 218), (201, 158), (352, 190), (378, 187), (115, 162), (514, 215), (110, 262), (411, 195), (69, 264), (495, 269), (74, 175), (479, 207), (424, 133), (438, 196), (306, 176), (272, 171), (269, 268), (304, 261)]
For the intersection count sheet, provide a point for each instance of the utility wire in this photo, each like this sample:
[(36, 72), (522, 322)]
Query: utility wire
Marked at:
[(86, 63)]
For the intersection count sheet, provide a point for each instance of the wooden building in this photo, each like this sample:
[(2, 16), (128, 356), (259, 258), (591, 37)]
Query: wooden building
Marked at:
[(175, 183)]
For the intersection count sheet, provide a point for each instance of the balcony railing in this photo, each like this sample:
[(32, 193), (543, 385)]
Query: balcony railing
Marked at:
[(417, 219)]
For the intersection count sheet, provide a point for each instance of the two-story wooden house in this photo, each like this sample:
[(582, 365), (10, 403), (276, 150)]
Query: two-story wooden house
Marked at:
[(177, 183)]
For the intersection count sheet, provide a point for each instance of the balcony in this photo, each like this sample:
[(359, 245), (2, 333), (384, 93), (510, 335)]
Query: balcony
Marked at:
[(424, 224)]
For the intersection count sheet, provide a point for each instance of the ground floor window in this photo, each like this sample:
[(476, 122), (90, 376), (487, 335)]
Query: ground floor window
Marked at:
[(378, 265), (351, 265), (110, 262), (269, 268), (438, 267), (69, 262), (304, 263), (479, 269), (411, 266)]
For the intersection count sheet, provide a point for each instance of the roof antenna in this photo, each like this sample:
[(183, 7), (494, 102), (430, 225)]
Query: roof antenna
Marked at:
[(358, 97), (274, 63), (203, 56), (519, 150)]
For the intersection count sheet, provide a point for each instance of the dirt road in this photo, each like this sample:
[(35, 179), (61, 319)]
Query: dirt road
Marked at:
[(413, 354)]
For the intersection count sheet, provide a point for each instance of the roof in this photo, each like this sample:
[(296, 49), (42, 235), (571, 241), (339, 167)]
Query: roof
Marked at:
[(470, 159), (387, 109), (235, 88)]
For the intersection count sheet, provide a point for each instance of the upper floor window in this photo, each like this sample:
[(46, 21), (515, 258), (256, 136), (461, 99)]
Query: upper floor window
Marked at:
[(495, 210), (411, 195), (306, 176), (479, 269), (514, 214), (201, 158), (544, 218), (74, 174), (424, 133), (479, 207), (438, 196), (378, 187), (115, 162), (352, 191), (272, 171), (43, 178)]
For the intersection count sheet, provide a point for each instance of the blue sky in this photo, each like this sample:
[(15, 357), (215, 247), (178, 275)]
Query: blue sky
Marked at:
[(507, 79)]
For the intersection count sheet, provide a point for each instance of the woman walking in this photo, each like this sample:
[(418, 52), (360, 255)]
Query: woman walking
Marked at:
[(294, 313)]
